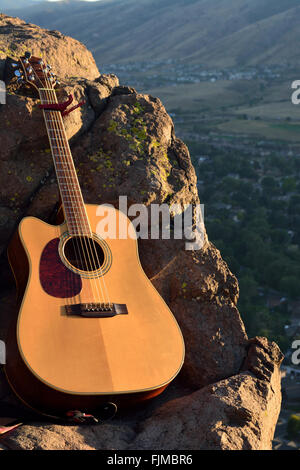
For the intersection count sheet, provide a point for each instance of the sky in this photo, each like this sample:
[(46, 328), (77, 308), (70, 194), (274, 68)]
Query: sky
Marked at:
[(61, 0)]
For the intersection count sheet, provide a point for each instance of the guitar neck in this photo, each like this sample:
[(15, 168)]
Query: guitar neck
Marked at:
[(71, 196)]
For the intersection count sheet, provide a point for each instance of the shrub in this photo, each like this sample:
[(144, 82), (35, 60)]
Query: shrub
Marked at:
[(293, 426)]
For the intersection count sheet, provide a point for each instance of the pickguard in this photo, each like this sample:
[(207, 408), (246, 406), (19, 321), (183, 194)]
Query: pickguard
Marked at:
[(56, 279)]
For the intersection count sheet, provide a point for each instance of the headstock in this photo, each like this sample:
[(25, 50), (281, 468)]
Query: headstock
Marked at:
[(33, 71)]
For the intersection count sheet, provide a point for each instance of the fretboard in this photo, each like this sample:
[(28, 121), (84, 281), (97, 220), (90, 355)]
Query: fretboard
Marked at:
[(71, 196)]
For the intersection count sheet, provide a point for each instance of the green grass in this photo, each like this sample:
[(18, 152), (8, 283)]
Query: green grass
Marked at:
[(204, 96), (219, 106), (272, 111), (281, 131)]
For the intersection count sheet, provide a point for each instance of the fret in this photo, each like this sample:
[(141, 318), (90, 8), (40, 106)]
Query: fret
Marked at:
[(65, 149), (76, 217), (66, 185), (51, 110), (71, 171), (74, 220), (73, 184), (62, 162), (61, 154), (57, 133), (73, 225), (70, 206), (71, 195), (72, 178), (55, 142), (69, 188), (52, 120), (55, 139)]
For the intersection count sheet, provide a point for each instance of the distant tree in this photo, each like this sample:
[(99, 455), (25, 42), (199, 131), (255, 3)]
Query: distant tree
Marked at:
[(289, 184), (275, 271), (294, 204), (269, 183), (248, 288), (279, 236), (290, 285), (293, 426)]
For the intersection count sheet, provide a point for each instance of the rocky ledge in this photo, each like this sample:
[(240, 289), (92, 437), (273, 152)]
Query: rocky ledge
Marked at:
[(227, 395)]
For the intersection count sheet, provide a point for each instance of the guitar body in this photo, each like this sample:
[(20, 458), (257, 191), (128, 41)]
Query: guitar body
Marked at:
[(58, 362)]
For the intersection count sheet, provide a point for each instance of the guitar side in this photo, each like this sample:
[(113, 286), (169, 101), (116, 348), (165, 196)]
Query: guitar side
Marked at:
[(56, 362)]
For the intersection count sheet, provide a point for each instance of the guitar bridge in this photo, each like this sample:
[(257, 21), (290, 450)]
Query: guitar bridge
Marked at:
[(96, 310)]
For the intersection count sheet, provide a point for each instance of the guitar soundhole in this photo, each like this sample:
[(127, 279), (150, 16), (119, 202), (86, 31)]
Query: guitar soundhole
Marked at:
[(84, 253)]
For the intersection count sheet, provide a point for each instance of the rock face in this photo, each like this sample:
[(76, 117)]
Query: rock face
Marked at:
[(68, 56), (237, 413), (227, 395)]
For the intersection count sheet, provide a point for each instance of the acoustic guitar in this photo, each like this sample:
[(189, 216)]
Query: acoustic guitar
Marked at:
[(91, 328)]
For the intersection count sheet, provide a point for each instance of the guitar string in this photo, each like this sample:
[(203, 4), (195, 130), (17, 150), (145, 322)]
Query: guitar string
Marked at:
[(48, 85), (72, 197), (93, 263), (68, 298), (80, 197), (63, 161), (54, 131), (97, 264), (48, 113)]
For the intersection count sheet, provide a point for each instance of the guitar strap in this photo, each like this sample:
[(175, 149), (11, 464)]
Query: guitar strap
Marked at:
[(14, 415)]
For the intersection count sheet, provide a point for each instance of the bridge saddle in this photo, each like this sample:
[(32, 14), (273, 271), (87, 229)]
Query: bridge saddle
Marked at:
[(96, 310)]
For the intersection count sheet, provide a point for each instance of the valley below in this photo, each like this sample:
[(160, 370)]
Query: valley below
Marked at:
[(243, 133)]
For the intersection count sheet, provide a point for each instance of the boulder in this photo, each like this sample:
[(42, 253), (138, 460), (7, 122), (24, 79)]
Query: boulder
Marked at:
[(227, 394), (67, 56)]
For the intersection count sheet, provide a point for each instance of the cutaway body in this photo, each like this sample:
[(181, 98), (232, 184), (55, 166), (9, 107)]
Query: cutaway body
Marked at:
[(58, 361)]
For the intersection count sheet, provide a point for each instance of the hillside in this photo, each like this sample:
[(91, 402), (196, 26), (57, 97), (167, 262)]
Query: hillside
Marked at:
[(8, 4), (213, 33), (227, 395)]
